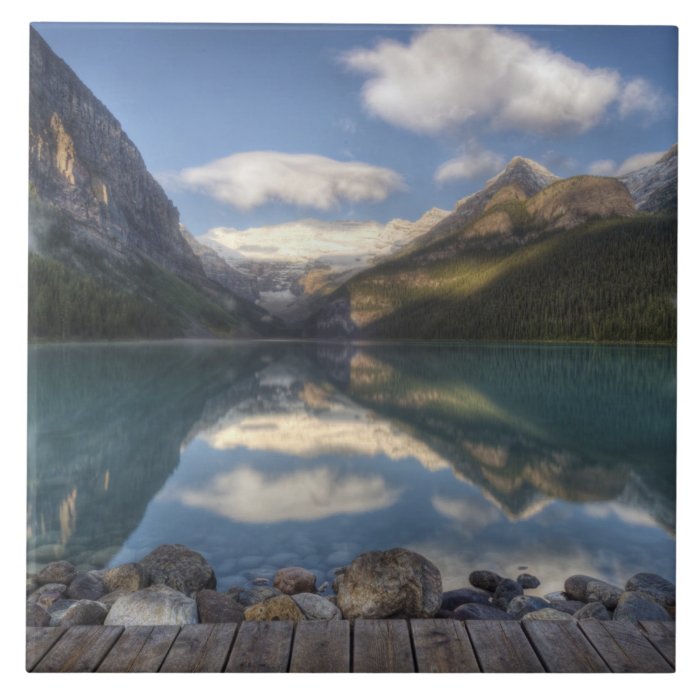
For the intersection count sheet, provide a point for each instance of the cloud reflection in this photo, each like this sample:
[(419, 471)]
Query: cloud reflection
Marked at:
[(247, 495)]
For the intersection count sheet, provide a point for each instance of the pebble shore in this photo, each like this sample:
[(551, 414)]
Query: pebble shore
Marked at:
[(174, 585)]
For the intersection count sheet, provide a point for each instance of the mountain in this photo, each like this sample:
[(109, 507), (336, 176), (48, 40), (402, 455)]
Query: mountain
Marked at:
[(655, 188), (107, 256), (520, 179), (571, 261), (292, 267)]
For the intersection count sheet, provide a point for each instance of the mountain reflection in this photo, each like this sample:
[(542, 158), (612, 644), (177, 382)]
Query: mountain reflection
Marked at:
[(311, 453)]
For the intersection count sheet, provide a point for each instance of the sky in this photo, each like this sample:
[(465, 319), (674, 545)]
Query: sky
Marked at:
[(252, 125)]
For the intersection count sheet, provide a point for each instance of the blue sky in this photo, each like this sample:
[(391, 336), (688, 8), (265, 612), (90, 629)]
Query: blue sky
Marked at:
[(247, 126)]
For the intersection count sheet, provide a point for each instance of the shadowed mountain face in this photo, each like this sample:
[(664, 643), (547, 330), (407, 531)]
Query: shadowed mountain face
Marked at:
[(103, 234), (655, 188), (268, 454)]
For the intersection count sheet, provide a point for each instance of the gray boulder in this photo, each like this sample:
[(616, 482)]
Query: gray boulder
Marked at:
[(394, 583), (256, 595), (568, 606), (218, 607), (179, 568), (86, 587), (110, 598), (37, 616), (528, 581), (635, 606), (575, 587), (602, 592), (47, 595), (486, 580), (451, 600), (523, 604), (155, 605), (476, 611), (57, 572), (78, 612), (505, 591), (127, 577), (547, 614), (656, 587), (295, 579), (316, 607), (595, 611)]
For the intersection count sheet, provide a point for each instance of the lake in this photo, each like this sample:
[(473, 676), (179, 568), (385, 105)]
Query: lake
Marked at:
[(558, 458)]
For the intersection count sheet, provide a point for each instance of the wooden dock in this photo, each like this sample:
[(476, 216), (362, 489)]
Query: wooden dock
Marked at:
[(367, 646)]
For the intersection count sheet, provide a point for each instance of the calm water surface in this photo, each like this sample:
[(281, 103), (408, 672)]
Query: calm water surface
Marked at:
[(260, 455)]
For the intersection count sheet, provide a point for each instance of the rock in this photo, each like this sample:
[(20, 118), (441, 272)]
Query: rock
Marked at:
[(256, 595), (657, 587), (443, 613), (575, 587), (32, 584), (234, 592), (280, 607), (337, 581), (634, 606), (180, 568), (393, 583), (316, 607), (506, 590), (218, 607), (57, 572), (47, 595), (477, 611), (78, 612), (523, 604), (155, 605), (37, 616), (602, 592), (261, 581), (127, 577), (555, 596), (294, 579), (528, 581), (58, 610), (547, 614), (567, 606), (596, 611), (332, 599), (486, 580), (110, 598), (86, 587), (323, 587), (451, 600)]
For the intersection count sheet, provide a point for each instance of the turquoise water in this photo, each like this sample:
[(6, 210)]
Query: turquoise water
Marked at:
[(560, 459)]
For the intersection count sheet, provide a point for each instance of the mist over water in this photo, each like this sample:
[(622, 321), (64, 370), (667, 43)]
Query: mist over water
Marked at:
[(267, 454)]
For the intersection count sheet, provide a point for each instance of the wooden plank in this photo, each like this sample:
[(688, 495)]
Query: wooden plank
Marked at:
[(663, 636), (562, 647), (155, 649), (261, 647), (200, 648), (321, 646), (39, 641), (122, 655), (624, 647), (80, 649), (502, 647), (382, 646), (442, 645)]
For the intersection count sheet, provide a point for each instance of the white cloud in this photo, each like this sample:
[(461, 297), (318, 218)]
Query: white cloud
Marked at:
[(640, 95), (602, 167), (635, 162), (469, 166), (248, 180), (448, 76)]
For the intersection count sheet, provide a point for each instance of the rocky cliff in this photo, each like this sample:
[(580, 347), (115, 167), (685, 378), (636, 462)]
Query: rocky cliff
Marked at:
[(655, 188), (99, 221)]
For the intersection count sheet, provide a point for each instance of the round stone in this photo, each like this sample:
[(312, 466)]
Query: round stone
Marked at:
[(595, 611), (486, 580), (179, 568), (505, 591), (86, 587), (37, 616), (57, 572), (295, 579), (218, 607), (83, 612), (155, 605), (523, 604), (634, 606), (127, 577), (657, 587), (47, 595), (316, 607), (394, 583), (528, 581), (253, 596), (281, 607), (602, 592), (451, 600)]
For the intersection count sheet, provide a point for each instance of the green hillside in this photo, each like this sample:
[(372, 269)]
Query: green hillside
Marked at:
[(609, 280)]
